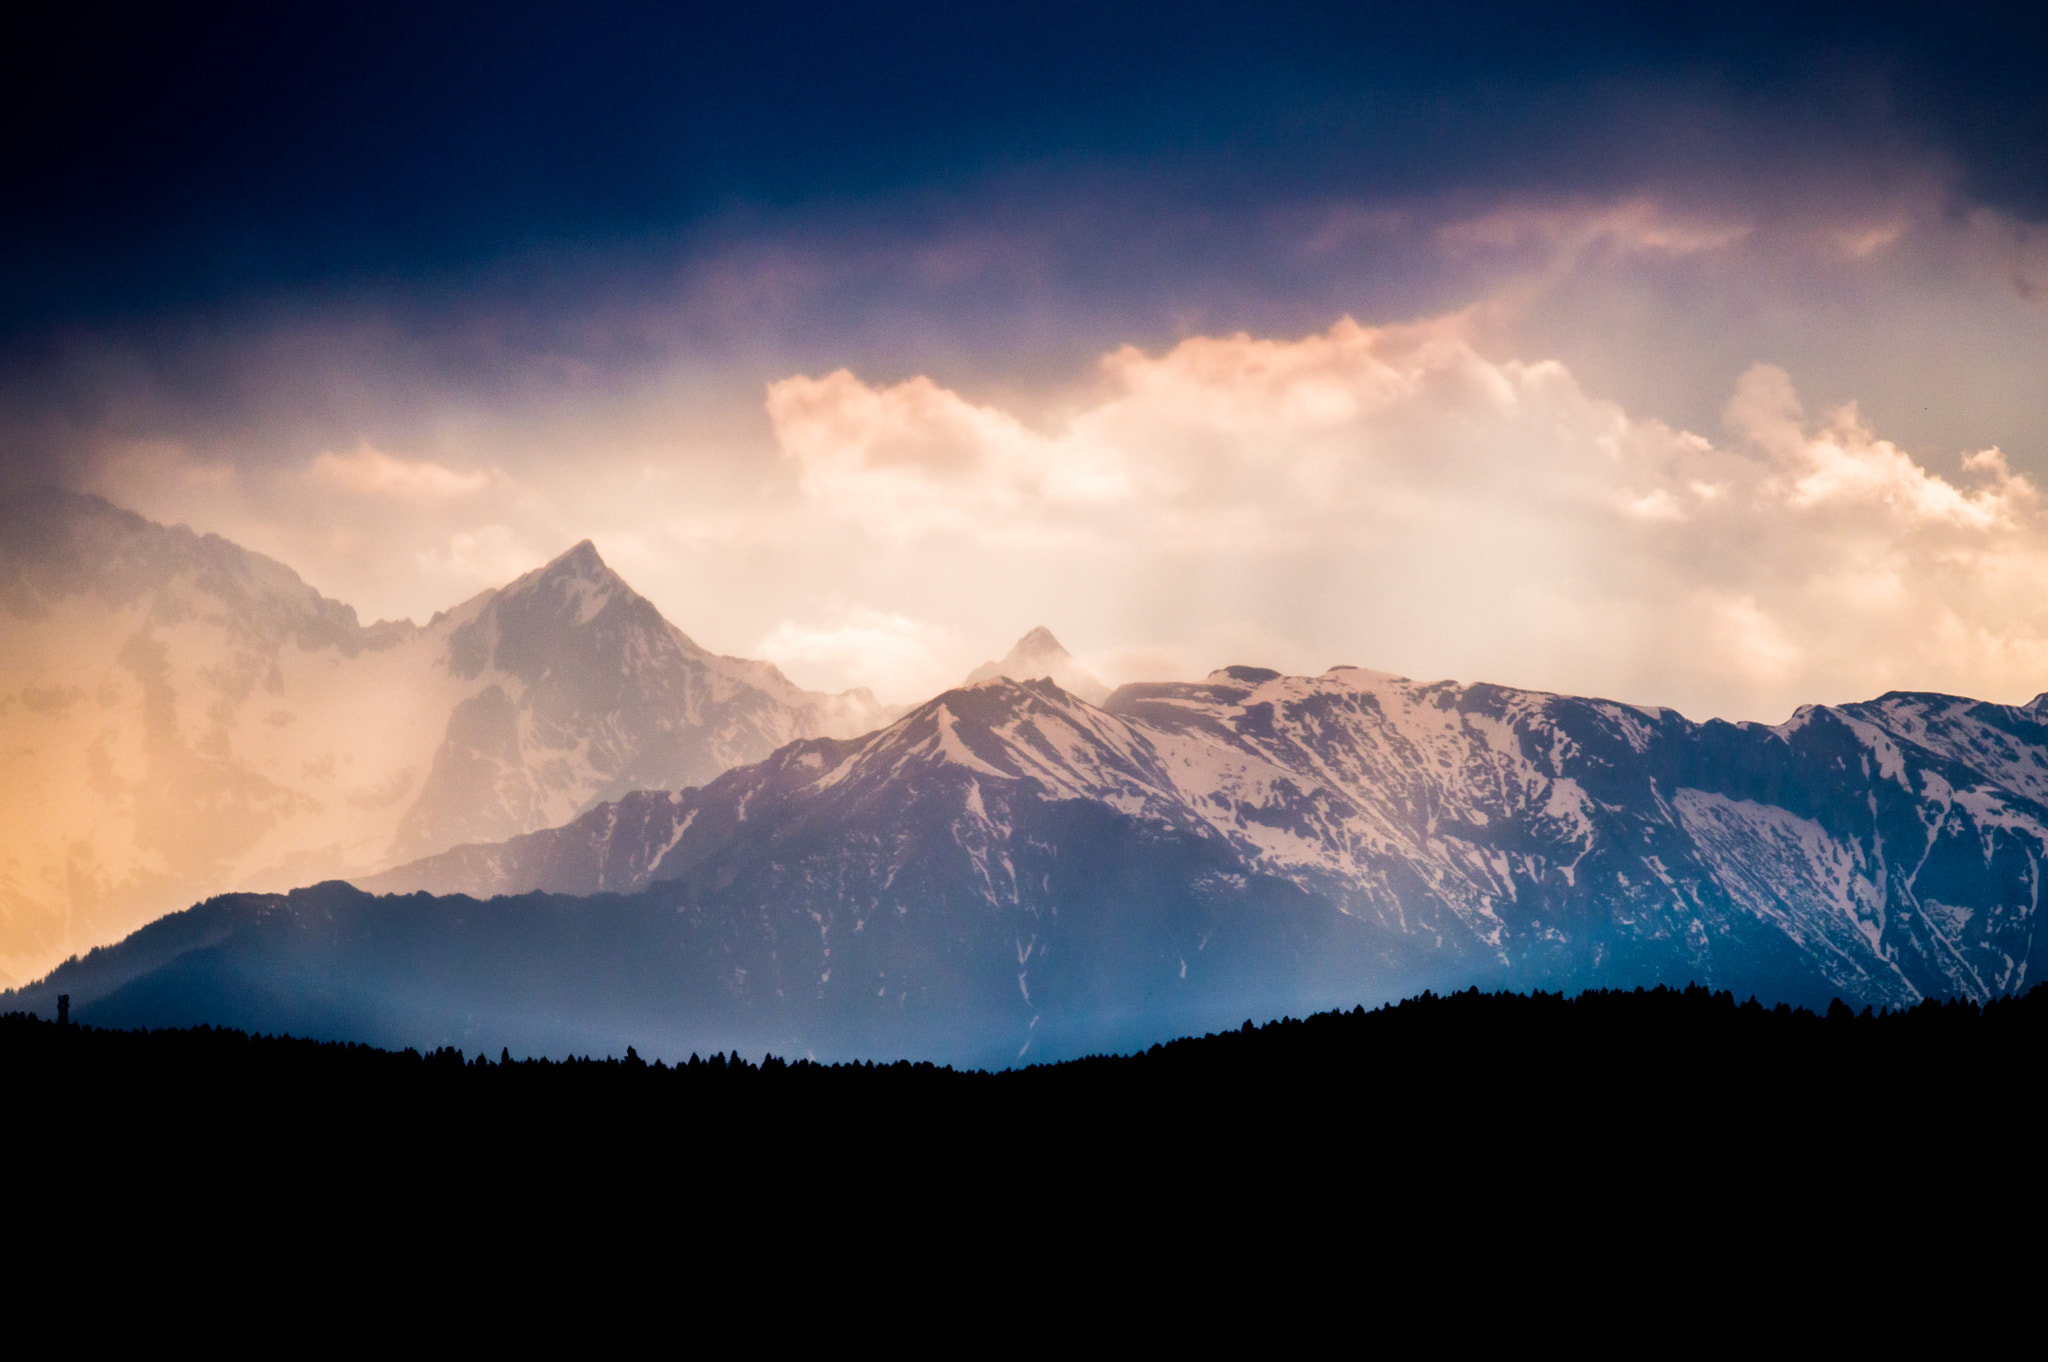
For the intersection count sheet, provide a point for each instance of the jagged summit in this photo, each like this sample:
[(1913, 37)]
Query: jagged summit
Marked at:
[(584, 692), (579, 570), (56, 544), (1038, 654), (579, 560), (1040, 639)]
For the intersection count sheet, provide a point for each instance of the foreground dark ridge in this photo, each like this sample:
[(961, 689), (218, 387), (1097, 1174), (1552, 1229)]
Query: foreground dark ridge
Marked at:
[(1426, 1039), (1410, 1124)]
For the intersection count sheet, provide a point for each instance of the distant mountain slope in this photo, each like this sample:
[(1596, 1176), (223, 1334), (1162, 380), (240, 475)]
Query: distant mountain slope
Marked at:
[(1038, 654), (1117, 934), (580, 691), (1883, 851), (180, 716)]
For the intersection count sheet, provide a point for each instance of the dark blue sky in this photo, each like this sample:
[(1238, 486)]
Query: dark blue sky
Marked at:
[(160, 159)]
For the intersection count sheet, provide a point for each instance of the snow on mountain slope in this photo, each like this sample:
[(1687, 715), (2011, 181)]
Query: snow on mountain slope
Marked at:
[(1005, 855), (1567, 832), (1884, 851), (955, 753), (179, 716)]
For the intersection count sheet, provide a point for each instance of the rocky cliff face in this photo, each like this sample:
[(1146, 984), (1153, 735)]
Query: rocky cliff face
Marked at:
[(180, 716)]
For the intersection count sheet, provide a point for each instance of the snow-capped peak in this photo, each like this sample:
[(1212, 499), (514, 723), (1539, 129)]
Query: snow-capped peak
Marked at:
[(1039, 640), (577, 575), (1038, 654)]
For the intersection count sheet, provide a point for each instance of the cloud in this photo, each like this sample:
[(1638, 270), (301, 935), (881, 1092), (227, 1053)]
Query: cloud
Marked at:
[(1845, 465), (1223, 440), (2024, 249), (891, 654), (1117, 666), (1861, 242), (371, 472), (489, 555), (917, 457), (1405, 497), (1392, 486), (1638, 226)]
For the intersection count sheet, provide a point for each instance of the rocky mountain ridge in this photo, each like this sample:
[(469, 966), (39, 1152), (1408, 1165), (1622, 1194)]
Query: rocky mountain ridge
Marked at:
[(1884, 851)]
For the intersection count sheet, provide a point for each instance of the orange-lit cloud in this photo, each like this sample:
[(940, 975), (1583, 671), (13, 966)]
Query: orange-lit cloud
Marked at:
[(872, 648), (371, 472), (1547, 535)]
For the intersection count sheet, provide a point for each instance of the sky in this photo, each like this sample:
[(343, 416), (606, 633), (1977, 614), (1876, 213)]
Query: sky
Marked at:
[(1696, 359)]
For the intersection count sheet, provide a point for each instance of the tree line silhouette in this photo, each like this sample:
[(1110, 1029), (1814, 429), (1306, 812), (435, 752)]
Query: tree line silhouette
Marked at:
[(1413, 1122), (1607, 1047)]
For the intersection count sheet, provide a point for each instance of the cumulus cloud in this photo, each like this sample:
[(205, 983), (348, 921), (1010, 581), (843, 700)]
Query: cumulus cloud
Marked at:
[(1392, 491), (888, 653), (1844, 465), (1227, 441), (917, 457)]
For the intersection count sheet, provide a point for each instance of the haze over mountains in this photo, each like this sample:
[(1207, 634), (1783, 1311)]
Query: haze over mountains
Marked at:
[(698, 855), (183, 717), (1009, 872)]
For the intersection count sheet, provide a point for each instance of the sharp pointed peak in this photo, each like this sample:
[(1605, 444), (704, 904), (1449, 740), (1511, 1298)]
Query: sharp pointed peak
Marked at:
[(577, 572), (1039, 654), (582, 556), (1038, 640), (578, 562)]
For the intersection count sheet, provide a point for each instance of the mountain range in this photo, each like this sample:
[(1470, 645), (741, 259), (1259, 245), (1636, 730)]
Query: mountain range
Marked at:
[(605, 835), (1885, 851), (1008, 871), (182, 716)]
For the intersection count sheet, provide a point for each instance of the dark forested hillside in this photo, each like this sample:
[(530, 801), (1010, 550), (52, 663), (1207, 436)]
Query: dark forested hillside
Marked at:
[(1691, 1055), (1460, 1132)]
